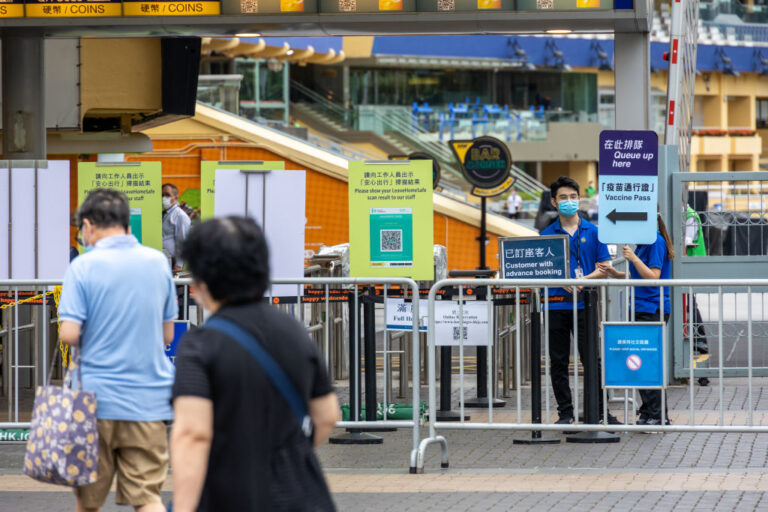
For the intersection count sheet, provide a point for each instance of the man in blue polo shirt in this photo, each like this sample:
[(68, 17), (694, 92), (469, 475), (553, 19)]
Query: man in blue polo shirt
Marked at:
[(586, 252), (118, 303)]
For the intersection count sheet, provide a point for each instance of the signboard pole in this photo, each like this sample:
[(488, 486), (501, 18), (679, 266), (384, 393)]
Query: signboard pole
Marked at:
[(536, 375), (592, 375)]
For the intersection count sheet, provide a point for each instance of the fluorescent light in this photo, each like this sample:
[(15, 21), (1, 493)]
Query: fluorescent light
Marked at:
[(289, 52), (559, 31), (248, 34)]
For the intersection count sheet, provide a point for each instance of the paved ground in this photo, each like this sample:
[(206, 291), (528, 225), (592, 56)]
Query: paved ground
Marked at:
[(680, 472)]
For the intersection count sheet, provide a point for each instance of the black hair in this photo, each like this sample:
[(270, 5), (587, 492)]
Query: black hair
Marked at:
[(105, 208), (563, 181), (231, 257), (172, 187)]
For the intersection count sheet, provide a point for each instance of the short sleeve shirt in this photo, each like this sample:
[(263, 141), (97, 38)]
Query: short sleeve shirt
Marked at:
[(121, 293), (586, 251), (250, 417), (654, 255)]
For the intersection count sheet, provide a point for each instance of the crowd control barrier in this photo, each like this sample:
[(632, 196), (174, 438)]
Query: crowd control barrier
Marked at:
[(738, 303), (29, 340)]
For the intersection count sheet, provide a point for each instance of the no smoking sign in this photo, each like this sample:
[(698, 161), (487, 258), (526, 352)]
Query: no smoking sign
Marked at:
[(634, 362)]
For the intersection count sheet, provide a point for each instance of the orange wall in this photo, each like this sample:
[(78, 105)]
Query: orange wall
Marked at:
[(327, 201)]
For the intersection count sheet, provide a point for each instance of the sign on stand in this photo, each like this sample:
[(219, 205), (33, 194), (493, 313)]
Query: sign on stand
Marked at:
[(180, 328), (447, 320), (390, 219), (628, 187), (540, 257), (208, 170), (634, 354)]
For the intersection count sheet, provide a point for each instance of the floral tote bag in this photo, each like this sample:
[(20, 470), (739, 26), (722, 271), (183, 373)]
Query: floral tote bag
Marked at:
[(63, 444)]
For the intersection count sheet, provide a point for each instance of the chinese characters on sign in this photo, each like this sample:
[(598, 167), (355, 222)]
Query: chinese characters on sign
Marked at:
[(628, 187), (542, 257), (634, 355)]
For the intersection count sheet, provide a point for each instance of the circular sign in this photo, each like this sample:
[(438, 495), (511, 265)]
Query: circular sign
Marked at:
[(634, 362), (487, 162), (418, 155)]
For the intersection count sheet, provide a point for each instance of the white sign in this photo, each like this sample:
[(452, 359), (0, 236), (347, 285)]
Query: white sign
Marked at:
[(276, 201), (399, 316), (34, 244)]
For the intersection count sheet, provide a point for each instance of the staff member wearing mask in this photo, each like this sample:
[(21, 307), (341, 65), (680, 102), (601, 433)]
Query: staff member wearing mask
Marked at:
[(586, 251), (175, 225)]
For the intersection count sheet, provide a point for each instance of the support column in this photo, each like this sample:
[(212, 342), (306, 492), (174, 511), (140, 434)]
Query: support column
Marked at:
[(632, 65), (23, 95)]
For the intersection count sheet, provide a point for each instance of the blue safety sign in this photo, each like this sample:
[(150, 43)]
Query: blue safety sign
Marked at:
[(540, 257), (634, 355), (628, 187), (179, 329)]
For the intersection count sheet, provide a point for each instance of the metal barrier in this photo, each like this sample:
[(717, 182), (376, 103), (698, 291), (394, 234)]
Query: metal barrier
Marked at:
[(607, 312), (27, 348)]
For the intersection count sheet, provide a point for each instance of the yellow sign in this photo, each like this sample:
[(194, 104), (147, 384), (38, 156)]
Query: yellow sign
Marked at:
[(587, 4), (390, 5), (208, 179), (181, 8), (390, 219), (461, 148), (488, 4), (11, 9), (73, 9), (292, 5)]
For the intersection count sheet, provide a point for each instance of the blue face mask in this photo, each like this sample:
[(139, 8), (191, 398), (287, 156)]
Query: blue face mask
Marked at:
[(569, 207)]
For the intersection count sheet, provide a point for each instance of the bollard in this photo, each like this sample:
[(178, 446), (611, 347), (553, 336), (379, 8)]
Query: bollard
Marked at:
[(536, 378), (592, 374), (355, 435), (445, 413)]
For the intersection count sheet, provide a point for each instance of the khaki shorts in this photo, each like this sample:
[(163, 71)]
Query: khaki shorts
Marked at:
[(138, 452)]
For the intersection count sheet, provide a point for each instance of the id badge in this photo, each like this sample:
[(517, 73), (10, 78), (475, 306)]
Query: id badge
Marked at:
[(579, 273)]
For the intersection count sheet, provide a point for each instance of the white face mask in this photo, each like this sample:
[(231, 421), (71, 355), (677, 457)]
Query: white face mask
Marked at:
[(166, 203)]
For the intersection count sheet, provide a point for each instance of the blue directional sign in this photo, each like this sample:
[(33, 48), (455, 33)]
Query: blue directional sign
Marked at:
[(541, 257), (628, 187), (634, 355), (179, 329)]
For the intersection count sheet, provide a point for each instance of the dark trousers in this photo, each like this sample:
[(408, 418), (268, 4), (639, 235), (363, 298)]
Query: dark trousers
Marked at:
[(651, 407), (560, 330)]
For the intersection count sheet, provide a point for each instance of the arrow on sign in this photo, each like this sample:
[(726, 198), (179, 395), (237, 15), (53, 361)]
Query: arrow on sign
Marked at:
[(614, 216)]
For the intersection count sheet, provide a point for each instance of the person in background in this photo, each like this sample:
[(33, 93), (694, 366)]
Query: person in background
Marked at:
[(695, 247), (232, 426), (175, 225), (590, 190), (586, 252), (652, 261), (118, 304), (514, 204)]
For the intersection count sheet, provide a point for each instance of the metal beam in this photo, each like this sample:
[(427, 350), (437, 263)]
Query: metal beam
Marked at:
[(632, 65), (23, 95), (402, 23)]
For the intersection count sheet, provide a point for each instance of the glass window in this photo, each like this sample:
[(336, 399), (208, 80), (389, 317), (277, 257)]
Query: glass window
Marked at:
[(761, 112)]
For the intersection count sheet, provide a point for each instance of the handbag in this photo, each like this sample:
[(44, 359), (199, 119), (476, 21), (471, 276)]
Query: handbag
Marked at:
[(63, 446), (297, 483)]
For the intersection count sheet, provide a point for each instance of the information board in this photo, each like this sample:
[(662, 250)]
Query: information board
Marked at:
[(634, 354), (12, 9), (171, 7), (448, 323), (628, 187), (76, 9), (208, 179), (391, 219), (540, 257), (141, 182)]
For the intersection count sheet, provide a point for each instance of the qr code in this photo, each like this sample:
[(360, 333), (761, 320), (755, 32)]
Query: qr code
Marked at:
[(446, 5), (456, 332), (391, 240), (249, 6), (347, 5), (545, 4)]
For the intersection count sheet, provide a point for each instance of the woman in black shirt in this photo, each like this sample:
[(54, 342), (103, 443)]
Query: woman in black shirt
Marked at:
[(230, 420)]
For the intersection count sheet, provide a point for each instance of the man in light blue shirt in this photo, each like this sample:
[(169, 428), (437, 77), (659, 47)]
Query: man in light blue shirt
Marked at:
[(118, 304)]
